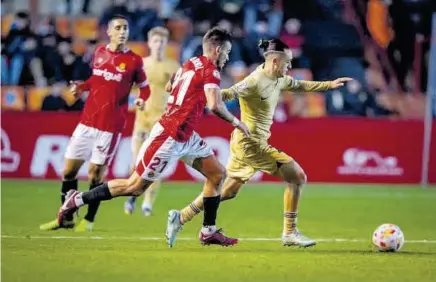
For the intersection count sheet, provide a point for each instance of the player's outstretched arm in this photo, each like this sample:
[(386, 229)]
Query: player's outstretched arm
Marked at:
[(229, 94), (314, 86), (243, 89), (216, 105), (77, 87), (339, 82)]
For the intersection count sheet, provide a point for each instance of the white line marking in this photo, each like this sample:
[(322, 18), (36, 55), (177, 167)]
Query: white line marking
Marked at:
[(324, 240)]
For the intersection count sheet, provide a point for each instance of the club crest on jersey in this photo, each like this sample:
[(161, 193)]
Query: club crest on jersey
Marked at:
[(121, 67), (107, 75), (216, 73)]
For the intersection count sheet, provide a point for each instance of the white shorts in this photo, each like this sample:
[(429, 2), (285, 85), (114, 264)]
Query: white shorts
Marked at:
[(91, 144), (160, 151)]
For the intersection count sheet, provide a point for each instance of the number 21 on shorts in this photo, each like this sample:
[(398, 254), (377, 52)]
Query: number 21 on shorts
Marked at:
[(158, 165)]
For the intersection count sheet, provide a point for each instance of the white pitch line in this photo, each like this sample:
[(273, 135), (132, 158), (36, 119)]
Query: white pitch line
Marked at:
[(324, 240)]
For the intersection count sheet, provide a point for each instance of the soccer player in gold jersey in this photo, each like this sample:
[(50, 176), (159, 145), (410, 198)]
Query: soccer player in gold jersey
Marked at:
[(258, 96), (159, 71)]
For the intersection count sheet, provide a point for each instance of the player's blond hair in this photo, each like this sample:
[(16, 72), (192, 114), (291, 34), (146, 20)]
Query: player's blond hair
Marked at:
[(160, 31)]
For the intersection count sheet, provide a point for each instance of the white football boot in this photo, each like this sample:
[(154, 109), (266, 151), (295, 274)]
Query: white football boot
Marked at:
[(174, 226), (297, 239)]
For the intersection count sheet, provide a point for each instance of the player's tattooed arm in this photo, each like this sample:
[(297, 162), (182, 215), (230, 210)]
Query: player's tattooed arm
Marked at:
[(229, 94), (216, 104), (314, 86)]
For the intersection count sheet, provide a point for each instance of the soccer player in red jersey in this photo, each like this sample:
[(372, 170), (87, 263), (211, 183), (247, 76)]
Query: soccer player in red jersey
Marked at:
[(195, 85), (114, 70)]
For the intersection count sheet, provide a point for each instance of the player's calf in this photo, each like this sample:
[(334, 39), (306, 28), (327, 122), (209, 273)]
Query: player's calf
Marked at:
[(95, 178), (295, 178), (231, 188), (69, 180), (134, 186), (214, 172)]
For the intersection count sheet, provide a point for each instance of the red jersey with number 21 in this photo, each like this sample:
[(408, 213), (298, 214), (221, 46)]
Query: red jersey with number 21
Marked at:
[(187, 100)]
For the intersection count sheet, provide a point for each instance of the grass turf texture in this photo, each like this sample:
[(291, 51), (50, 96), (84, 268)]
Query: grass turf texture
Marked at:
[(132, 248)]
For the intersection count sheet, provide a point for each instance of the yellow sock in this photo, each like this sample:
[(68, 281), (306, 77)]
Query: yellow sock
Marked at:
[(151, 193), (191, 210), (290, 208)]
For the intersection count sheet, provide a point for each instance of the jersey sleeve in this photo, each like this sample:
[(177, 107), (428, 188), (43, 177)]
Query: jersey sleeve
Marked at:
[(244, 89), (141, 81), (212, 78), (292, 84)]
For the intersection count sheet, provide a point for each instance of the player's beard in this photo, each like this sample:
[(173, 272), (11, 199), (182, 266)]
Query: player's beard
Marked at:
[(218, 64)]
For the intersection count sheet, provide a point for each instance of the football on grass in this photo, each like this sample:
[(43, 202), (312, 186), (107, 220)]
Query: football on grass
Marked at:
[(388, 238)]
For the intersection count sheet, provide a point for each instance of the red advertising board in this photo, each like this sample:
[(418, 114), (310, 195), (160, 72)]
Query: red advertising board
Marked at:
[(354, 150)]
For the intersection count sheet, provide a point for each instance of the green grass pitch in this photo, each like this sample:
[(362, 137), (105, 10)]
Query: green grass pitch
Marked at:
[(132, 248)]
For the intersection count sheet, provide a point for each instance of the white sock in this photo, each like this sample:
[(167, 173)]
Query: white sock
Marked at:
[(208, 229), (78, 201), (147, 206)]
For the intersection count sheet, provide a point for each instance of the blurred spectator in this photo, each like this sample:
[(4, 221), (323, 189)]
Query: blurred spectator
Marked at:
[(48, 42), (82, 65), (321, 37), (67, 58), (70, 7), (4, 63), (291, 36), (54, 100), (355, 100), (167, 8), (391, 25), (145, 17), (20, 50), (262, 19), (401, 48)]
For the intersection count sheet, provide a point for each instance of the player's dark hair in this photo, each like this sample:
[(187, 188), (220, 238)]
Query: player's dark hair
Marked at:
[(22, 15), (217, 36), (274, 45), (118, 17)]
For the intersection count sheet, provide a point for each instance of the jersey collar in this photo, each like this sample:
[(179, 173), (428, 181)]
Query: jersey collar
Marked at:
[(123, 51)]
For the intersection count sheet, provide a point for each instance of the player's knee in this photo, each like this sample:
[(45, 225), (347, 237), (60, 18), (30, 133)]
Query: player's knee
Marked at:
[(301, 177), (136, 186), (228, 194), (293, 173), (218, 177), (69, 174)]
